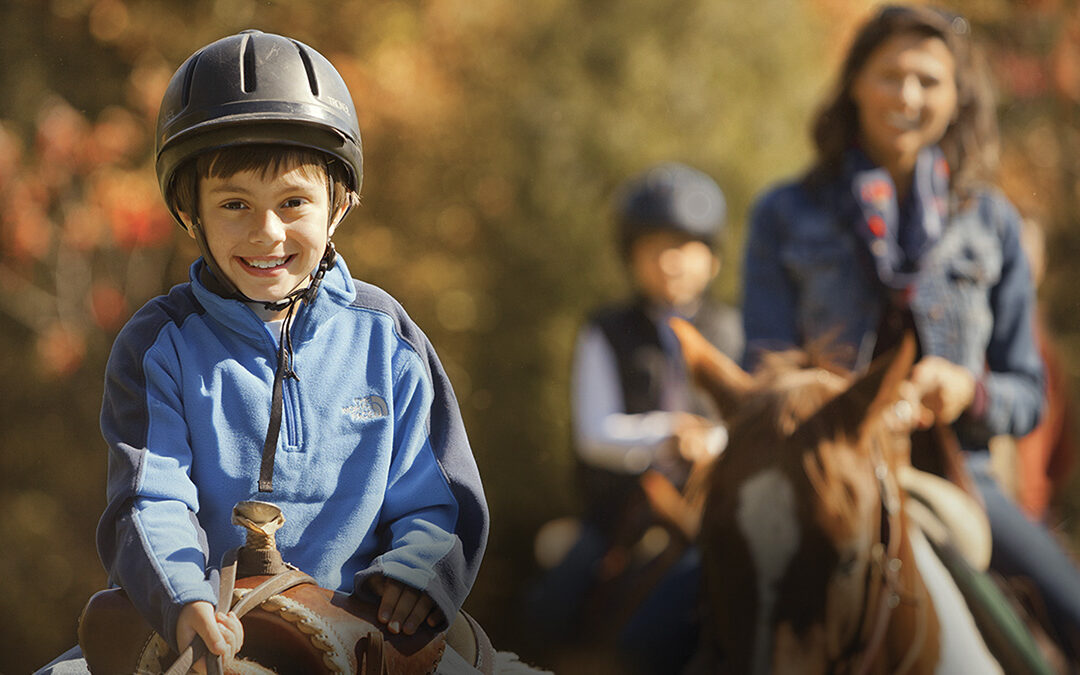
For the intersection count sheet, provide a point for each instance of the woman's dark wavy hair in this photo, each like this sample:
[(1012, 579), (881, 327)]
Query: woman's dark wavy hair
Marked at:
[(970, 143)]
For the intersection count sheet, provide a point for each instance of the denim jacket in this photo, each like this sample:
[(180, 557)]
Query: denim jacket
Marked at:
[(806, 279)]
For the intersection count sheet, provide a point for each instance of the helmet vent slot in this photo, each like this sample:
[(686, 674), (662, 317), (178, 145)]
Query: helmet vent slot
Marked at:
[(247, 65), (309, 68), (189, 75)]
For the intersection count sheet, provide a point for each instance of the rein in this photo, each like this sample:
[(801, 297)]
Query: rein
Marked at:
[(886, 559), (261, 593)]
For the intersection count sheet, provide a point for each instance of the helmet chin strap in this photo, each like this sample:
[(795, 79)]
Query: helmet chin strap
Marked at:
[(285, 363), (217, 281)]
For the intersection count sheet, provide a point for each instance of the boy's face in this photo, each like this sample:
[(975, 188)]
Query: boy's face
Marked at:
[(266, 233), (670, 269)]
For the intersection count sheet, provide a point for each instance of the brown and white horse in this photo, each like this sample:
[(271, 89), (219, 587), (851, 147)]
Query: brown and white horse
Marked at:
[(810, 563)]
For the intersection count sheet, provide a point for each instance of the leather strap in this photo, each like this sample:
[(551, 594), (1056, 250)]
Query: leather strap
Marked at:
[(485, 656), (195, 651), (272, 586), (374, 655), (273, 430), (227, 581), (279, 583)]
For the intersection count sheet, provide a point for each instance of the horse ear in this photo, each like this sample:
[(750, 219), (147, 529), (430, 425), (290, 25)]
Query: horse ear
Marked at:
[(721, 377), (871, 393)]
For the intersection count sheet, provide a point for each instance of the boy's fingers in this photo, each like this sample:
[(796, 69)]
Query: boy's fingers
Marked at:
[(419, 612), (404, 608), (200, 620), (214, 639), (390, 594), (232, 630)]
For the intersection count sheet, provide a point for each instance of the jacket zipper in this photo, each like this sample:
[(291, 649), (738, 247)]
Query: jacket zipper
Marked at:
[(291, 413), (290, 410)]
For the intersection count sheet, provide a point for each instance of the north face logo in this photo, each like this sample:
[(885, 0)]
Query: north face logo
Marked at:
[(367, 408)]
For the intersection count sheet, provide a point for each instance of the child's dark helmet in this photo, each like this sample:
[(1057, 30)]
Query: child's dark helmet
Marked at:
[(256, 87), (671, 197)]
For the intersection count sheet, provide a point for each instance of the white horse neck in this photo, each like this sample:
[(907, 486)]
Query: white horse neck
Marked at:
[(962, 647)]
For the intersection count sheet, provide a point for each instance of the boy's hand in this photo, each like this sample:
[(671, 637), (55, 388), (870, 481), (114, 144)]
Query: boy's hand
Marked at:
[(222, 633), (694, 438), (403, 608)]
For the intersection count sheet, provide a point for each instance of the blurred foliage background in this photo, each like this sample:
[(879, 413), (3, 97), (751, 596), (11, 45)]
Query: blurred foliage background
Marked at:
[(494, 134)]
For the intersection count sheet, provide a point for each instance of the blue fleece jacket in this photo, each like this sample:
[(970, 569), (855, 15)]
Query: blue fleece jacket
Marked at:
[(373, 468)]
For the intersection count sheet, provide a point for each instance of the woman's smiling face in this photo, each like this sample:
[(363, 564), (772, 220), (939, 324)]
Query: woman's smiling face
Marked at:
[(266, 233), (906, 97)]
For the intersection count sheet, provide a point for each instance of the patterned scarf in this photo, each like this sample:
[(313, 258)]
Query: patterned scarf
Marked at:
[(897, 235)]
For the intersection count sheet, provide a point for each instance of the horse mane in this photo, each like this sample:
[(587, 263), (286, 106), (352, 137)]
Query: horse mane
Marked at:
[(792, 385)]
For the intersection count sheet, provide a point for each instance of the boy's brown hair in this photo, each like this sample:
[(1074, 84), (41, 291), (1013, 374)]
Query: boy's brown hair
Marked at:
[(266, 160)]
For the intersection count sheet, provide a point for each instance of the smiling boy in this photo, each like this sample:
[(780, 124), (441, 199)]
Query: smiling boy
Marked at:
[(274, 375), (268, 235)]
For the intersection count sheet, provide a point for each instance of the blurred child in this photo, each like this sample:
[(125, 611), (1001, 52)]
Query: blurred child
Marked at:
[(633, 407)]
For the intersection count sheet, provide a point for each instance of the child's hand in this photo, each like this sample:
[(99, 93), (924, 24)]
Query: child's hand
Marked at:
[(222, 633), (695, 438), (403, 608)]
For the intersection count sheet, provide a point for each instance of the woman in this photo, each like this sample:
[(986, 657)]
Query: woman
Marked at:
[(894, 225)]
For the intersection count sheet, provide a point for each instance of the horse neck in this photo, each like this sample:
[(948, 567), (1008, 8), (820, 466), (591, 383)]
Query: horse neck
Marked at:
[(913, 640), (901, 628)]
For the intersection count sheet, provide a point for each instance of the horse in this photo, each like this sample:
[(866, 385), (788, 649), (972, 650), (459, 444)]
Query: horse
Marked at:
[(812, 560)]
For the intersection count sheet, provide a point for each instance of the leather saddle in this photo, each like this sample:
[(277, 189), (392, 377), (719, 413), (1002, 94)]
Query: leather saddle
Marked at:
[(946, 513), (291, 624)]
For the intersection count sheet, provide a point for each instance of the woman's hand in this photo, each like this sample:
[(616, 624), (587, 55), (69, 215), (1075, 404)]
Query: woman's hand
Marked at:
[(944, 390), (222, 633), (403, 608)]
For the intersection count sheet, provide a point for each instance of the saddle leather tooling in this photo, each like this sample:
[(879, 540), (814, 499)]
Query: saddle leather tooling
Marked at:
[(291, 625)]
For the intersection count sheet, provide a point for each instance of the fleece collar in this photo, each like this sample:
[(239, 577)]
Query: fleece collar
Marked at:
[(336, 293)]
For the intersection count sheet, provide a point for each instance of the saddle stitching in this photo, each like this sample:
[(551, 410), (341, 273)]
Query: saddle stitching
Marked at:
[(320, 634)]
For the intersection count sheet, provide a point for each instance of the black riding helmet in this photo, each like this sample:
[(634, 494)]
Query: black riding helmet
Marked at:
[(256, 87), (670, 197)]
